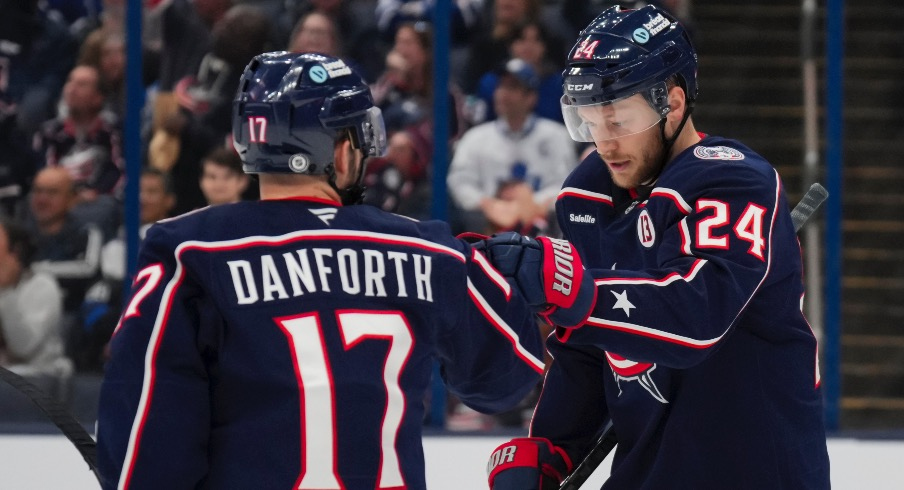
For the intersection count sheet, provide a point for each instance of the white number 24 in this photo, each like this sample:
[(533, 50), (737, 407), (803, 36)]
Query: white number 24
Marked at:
[(749, 226)]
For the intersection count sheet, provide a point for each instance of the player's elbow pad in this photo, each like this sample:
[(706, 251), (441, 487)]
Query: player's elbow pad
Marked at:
[(527, 463)]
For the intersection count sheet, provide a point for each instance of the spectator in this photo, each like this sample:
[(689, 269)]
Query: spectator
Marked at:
[(103, 301), (85, 140), (104, 49), (466, 16), (36, 52), (516, 148), (222, 178), (491, 48), (65, 247), (405, 94), (18, 164), (201, 121), (315, 32), (356, 21), (532, 43), (395, 183), (31, 306)]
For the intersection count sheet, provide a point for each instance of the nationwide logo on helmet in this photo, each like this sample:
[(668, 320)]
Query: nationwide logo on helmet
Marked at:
[(627, 370), (717, 153)]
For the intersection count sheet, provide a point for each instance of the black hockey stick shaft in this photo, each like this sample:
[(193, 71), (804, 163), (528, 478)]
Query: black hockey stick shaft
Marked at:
[(58, 415), (802, 212), (604, 445)]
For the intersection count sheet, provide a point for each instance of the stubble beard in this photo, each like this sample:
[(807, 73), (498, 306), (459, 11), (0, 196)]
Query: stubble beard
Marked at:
[(652, 156)]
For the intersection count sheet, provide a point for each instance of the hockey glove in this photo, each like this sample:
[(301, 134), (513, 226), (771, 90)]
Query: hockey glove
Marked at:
[(548, 273), (527, 463)]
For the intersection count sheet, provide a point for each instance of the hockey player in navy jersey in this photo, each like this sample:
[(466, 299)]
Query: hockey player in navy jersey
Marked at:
[(696, 347), (288, 343)]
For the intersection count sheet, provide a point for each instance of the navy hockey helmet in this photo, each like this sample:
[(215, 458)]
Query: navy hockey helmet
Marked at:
[(290, 109), (626, 52)]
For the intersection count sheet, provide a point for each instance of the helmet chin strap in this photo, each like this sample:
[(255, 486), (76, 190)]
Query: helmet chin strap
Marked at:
[(354, 193), (667, 144)]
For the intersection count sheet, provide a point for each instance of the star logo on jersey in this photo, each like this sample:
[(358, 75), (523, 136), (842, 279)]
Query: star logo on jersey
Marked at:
[(621, 301), (628, 370), (325, 214)]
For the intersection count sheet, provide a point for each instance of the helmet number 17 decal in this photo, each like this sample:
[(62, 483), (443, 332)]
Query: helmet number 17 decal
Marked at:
[(585, 51), (257, 129)]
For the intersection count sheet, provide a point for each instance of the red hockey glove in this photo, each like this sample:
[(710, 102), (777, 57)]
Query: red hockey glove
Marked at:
[(527, 463), (548, 273)]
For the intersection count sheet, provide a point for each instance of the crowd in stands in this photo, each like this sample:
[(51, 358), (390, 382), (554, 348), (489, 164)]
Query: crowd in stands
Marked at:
[(62, 102)]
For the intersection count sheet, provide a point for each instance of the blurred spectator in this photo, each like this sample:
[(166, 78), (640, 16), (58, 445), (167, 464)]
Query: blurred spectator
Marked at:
[(103, 301), (185, 35), (222, 179), (396, 182), (315, 32), (65, 247), (532, 43), (404, 92), (36, 53), (31, 307), (104, 49), (361, 42), (18, 164), (201, 120), (491, 47), (497, 163), (466, 16), (85, 140)]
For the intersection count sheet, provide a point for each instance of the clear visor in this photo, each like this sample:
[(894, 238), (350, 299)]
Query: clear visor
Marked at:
[(608, 120), (375, 133)]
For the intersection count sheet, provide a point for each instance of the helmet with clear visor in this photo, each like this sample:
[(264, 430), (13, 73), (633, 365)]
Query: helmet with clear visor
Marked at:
[(617, 80)]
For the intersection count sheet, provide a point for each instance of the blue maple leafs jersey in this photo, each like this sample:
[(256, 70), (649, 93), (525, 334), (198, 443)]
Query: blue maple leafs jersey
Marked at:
[(697, 347), (288, 344)]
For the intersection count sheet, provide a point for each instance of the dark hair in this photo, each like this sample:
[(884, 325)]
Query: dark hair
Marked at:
[(226, 158), (163, 176), (20, 242)]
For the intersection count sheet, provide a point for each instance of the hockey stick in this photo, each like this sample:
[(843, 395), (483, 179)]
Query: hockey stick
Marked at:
[(58, 415), (801, 213)]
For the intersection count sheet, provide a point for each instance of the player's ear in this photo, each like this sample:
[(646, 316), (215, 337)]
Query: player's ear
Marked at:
[(343, 158), (677, 104)]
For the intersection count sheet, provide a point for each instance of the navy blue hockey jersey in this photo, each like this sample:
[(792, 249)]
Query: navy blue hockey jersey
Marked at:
[(288, 344), (697, 347)]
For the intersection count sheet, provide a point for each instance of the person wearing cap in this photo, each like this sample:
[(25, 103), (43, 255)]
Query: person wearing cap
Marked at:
[(517, 149)]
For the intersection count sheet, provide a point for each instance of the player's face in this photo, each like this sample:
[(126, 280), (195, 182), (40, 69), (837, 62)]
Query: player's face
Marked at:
[(633, 160), (627, 138), (221, 185)]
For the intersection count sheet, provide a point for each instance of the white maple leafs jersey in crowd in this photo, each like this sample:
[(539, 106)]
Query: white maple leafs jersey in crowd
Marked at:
[(290, 343), (697, 343)]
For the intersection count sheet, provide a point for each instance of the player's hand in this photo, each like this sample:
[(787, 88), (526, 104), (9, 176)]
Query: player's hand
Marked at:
[(547, 272), (527, 463)]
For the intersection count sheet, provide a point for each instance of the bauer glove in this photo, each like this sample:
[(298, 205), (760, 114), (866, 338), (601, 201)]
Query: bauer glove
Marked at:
[(527, 463), (547, 272)]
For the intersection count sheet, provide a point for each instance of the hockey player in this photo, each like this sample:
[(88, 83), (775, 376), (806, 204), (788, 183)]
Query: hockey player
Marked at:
[(696, 347), (289, 342)]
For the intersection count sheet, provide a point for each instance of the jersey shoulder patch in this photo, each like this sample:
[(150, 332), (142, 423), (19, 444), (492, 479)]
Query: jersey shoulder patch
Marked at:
[(717, 153)]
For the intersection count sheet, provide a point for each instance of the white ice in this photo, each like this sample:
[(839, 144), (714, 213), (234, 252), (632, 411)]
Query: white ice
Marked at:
[(40, 462)]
